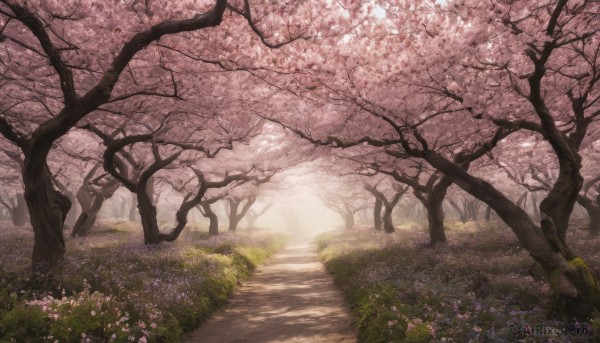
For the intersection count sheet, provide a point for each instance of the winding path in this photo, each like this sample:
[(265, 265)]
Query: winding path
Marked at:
[(289, 299)]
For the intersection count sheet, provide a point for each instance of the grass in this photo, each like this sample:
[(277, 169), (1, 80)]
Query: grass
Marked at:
[(115, 289), (477, 288)]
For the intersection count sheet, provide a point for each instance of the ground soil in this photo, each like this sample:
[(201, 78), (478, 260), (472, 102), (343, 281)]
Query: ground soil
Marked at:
[(289, 299)]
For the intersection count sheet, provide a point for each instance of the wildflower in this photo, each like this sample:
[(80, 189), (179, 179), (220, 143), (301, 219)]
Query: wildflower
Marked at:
[(93, 313), (153, 325), (476, 329), (394, 309), (143, 340), (409, 327)]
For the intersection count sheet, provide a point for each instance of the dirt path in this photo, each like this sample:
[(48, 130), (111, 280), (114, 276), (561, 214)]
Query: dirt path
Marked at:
[(289, 299)]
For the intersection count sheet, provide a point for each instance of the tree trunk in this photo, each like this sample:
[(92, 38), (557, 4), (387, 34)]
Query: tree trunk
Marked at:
[(19, 213), (536, 208), (147, 211), (593, 210), (133, 209), (48, 210), (148, 217), (433, 203), (435, 219), (377, 214), (576, 290), (594, 225), (73, 212), (488, 214), (461, 215), (122, 209), (556, 208), (87, 218), (251, 219), (213, 226), (233, 218), (388, 224), (349, 221)]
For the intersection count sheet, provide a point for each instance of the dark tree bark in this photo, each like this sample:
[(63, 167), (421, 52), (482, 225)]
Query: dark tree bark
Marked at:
[(48, 207), (48, 210), (388, 205), (91, 201), (432, 202), (146, 207), (73, 212), (213, 226), (235, 213), (575, 288), (377, 214), (592, 207)]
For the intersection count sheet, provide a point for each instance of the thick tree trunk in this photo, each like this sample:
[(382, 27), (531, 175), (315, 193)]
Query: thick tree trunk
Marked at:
[(377, 214), (433, 204), (556, 208), (148, 217), (388, 224), (576, 290), (91, 201), (435, 219), (87, 218), (233, 218), (233, 223), (48, 210), (213, 226)]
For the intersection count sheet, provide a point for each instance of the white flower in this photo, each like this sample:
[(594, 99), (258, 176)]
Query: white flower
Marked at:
[(93, 313)]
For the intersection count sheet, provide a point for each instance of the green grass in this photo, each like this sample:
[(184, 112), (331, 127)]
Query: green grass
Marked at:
[(115, 289), (470, 290)]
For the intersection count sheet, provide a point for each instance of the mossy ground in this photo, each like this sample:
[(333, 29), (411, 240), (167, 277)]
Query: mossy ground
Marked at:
[(115, 289), (477, 288)]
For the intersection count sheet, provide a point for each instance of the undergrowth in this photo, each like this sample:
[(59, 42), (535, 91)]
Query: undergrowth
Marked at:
[(478, 288), (114, 289)]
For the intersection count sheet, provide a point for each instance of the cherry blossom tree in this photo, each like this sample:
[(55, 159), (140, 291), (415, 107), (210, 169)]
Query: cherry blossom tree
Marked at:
[(476, 73), (386, 198)]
